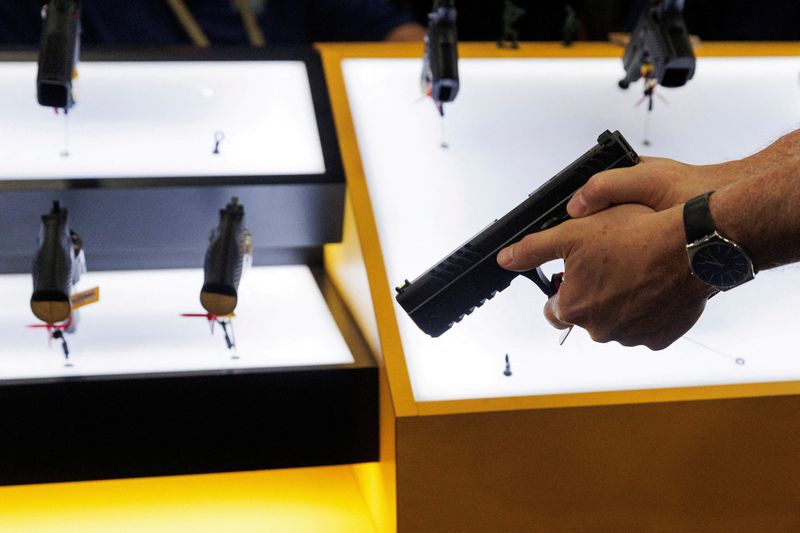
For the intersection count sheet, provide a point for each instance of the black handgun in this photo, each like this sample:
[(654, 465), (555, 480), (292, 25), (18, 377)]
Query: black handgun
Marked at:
[(57, 266), (468, 277), (228, 245), (58, 54), (660, 41), (440, 63)]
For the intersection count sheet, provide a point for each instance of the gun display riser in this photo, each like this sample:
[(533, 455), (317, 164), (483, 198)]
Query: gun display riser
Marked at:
[(468, 277)]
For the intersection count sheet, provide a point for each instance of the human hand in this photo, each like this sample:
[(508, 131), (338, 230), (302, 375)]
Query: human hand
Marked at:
[(655, 182), (626, 275)]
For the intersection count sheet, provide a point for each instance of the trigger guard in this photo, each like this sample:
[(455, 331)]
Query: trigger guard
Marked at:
[(541, 281)]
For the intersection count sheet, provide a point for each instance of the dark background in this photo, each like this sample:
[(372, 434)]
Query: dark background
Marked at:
[(711, 20), (293, 22)]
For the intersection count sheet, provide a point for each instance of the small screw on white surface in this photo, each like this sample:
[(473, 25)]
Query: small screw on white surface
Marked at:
[(218, 138)]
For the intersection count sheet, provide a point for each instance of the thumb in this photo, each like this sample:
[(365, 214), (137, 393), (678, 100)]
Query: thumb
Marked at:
[(616, 186), (536, 249)]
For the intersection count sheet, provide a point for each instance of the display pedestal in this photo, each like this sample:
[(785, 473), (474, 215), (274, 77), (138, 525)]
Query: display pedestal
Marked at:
[(149, 392), (599, 438)]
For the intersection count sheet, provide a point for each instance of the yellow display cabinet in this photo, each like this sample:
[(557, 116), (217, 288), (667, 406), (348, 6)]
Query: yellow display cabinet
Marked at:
[(584, 436)]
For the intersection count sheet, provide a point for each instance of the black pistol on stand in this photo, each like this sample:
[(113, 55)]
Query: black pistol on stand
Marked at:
[(228, 246), (58, 54), (440, 63), (57, 267), (468, 277), (659, 48)]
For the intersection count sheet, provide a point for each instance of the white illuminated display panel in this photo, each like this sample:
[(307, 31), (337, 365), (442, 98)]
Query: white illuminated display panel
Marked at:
[(154, 119), (281, 320), (515, 124)]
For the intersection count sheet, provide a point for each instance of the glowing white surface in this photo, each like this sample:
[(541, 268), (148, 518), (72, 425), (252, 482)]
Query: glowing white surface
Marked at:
[(516, 123), (281, 321), (154, 119)]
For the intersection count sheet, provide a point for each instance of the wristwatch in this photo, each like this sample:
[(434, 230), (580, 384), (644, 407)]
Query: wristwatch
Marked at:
[(715, 260)]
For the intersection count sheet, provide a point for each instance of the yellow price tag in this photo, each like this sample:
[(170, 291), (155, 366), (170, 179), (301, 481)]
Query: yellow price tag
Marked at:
[(84, 298)]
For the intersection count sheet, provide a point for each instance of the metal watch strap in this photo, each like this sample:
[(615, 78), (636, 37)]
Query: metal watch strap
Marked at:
[(697, 220)]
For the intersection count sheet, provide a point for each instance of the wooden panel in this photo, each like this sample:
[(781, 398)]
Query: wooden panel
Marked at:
[(718, 465)]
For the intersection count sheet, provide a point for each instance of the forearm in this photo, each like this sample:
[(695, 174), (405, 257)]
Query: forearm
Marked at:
[(761, 212)]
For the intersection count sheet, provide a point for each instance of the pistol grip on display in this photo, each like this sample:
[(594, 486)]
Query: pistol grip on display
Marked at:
[(440, 70), (58, 53)]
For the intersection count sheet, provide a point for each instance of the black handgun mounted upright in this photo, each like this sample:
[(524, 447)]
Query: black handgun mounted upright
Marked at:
[(58, 53), (228, 245), (57, 266), (660, 47), (440, 63), (468, 277)]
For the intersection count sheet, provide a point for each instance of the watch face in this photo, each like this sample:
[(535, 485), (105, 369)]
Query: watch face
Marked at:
[(721, 265)]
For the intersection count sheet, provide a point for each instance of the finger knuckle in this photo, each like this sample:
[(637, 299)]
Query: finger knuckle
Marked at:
[(595, 188), (522, 250)]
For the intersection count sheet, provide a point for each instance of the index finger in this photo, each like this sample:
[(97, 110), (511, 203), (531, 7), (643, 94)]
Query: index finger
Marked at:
[(537, 248)]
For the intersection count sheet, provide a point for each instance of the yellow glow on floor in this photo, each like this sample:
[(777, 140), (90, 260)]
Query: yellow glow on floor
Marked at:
[(319, 500)]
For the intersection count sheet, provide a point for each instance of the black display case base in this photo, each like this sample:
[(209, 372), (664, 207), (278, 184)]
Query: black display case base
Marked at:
[(105, 427)]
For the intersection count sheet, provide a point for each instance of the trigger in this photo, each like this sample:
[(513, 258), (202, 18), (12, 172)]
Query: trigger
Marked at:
[(541, 281)]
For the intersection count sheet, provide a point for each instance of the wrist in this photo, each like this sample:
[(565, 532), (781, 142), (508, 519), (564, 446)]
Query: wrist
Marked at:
[(714, 259), (760, 211), (730, 227), (676, 244)]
